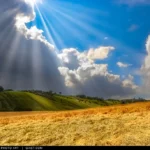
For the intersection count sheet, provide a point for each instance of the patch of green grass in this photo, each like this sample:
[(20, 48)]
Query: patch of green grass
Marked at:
[(18, 101), (72, 102), (25, 101)]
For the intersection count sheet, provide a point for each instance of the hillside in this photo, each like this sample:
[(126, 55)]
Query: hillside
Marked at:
[(114, 125), (45, 101), (24, 101)]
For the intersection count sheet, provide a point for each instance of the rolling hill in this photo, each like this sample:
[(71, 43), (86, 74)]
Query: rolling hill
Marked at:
[(25, 101)]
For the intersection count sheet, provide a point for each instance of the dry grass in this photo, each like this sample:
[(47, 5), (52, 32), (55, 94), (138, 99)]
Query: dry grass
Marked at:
[(113, 125)]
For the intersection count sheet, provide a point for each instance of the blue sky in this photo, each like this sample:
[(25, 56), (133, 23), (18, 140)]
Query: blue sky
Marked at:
[(84, 24)]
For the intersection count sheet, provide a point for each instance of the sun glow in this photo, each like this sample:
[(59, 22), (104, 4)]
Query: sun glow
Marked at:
[(33, 2)]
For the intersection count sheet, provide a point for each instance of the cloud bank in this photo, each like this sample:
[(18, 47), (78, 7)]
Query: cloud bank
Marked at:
[(145, 70), (83, 76)]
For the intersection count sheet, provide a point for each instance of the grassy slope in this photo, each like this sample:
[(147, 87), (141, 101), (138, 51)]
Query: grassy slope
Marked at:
[(113, 125), (10, 101), (22, 101)]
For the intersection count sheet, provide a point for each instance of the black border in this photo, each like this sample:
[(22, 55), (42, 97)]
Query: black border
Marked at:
[(65, 147)]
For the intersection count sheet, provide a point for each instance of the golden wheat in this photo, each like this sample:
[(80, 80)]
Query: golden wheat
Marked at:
[(113, 125)]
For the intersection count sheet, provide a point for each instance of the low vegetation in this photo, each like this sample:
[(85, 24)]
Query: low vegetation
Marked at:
[(49, 101), (24, 101)]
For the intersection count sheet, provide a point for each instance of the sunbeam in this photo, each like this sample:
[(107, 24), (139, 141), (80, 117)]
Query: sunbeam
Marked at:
[(42, 30), (34, 2), (46, 28), (55, 17)]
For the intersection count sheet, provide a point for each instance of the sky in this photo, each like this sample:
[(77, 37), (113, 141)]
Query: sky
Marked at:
[(104, 22), (98, 48)]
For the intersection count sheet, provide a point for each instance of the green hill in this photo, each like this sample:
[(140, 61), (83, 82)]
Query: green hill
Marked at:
[(46, 101), (25, 101)]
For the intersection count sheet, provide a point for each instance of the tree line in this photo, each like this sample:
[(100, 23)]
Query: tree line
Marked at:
[(51, 93), (2, 89)]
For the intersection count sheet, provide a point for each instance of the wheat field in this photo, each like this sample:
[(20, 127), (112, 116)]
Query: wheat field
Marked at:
[(113, 125)]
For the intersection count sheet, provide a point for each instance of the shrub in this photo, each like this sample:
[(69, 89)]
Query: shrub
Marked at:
[(1, 89), (22, 109)]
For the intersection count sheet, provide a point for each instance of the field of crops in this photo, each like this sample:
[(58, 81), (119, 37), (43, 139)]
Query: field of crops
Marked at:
[(111, 125)]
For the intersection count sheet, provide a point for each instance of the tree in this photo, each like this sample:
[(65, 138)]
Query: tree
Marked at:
[(51, 92), (1, 89), (60, 93), (81, 96), (10, 90)]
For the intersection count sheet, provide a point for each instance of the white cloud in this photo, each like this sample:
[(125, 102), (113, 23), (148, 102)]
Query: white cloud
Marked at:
[(99, 53), (123, 65), (72, 58), (146, 65), (32, 33), (145, 70), (129, 82), (69, 58), (93, 79)]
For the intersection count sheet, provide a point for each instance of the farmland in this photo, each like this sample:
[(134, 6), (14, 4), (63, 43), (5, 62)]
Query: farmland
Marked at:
[(110, 125)]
